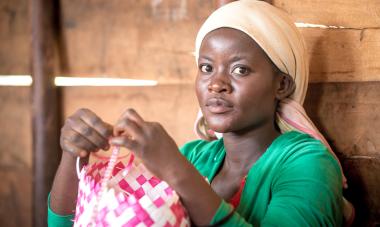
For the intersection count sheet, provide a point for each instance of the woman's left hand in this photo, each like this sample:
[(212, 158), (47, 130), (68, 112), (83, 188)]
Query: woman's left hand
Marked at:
[(149, 141), (159, 153)]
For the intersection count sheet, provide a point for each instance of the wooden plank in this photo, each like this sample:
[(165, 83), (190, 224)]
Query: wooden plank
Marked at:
[(46, 151), (342, 55), (174, 106), (347, 113), (15, 157), (347, 13), (14, 37), (15, 195), (137, 40)]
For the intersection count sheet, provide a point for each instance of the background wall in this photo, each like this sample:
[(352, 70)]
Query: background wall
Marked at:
[(154, 39)]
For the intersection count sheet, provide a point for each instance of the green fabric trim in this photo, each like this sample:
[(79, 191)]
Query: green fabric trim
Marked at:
[(235, 220), (223, 210), (56, 220)]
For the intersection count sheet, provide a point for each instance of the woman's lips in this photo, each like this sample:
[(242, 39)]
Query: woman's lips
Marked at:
[(218, 105)]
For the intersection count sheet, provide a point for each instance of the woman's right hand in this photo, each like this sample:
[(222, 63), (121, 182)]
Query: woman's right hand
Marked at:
[(84, 132)]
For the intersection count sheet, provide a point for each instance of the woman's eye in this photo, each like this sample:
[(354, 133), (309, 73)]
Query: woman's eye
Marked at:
[(206, 68), (240, 70)]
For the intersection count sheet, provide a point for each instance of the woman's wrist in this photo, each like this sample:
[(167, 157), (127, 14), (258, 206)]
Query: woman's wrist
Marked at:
[(178, 172), (200, 200), (70, 159), (64, 189)]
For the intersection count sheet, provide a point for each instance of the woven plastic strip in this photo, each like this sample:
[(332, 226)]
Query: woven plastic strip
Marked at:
[(115, 193)]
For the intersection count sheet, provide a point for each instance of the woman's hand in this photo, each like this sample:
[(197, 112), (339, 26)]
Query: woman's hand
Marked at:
[(84, 132), (149, 141), (159, 153)]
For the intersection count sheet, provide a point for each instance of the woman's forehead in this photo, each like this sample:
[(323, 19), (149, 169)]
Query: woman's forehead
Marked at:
[(229, 33), (232, 41)]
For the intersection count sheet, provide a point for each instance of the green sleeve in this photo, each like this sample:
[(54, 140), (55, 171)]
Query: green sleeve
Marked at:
[(306, 192), (56, 220), (190, 149), (236, 220)]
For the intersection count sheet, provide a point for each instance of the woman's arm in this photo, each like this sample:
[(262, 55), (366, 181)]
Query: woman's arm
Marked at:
[(65, 186), (83, 132), (200, 200)]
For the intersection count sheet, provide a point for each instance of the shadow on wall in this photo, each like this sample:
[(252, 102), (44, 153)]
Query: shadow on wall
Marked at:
[(336, 109)]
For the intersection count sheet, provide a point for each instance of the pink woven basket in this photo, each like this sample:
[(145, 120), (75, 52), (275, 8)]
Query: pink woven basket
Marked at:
[(115, 193)]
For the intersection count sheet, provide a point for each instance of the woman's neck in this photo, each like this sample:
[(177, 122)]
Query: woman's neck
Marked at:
[(243, 149)]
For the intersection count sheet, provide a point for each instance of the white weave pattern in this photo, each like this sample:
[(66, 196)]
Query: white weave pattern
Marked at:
[(136, 199)]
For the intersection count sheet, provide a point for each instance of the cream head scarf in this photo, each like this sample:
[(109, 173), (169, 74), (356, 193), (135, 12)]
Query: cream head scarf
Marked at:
[(274, 31), (276, 34)]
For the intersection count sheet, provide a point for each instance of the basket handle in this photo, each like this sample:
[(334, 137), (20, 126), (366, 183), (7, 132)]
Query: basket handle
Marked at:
[(77, 167), (113, 156), (112, 160)]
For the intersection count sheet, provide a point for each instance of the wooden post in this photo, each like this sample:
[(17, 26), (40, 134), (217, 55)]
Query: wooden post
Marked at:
[(44, 109)]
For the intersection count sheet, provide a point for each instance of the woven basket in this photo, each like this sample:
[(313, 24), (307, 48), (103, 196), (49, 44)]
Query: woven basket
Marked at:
[(122, 192)]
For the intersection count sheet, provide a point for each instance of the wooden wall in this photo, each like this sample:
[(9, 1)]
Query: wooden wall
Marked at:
[(151, 39)]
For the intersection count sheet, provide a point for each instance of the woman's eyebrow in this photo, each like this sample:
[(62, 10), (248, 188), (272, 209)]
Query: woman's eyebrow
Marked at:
[(205, 57), (239, 57)]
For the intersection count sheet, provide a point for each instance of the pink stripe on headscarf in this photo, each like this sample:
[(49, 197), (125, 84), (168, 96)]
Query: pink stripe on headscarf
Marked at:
[(295, 116)]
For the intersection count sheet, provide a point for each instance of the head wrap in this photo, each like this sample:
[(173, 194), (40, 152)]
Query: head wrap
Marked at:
[(274, 31)]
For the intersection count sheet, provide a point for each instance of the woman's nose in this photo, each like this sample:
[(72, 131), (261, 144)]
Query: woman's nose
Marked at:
[(220, 83)]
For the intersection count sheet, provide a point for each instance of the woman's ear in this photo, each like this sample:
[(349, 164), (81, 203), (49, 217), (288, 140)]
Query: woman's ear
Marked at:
[(285, 86)]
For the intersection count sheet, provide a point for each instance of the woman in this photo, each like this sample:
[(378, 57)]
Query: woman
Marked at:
[(251, 82)]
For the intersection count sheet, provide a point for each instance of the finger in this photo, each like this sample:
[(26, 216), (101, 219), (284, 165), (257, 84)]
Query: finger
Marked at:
[(124, 141), (152, 129), (74, 150), (104, 129), (127, 127), (79, 141), (89, 133), (133, 115)]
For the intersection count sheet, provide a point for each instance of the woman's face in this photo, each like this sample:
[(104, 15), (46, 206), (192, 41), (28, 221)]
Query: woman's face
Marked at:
[(236, 83)]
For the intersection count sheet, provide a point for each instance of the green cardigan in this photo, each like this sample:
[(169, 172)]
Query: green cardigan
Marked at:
[(296, 182)]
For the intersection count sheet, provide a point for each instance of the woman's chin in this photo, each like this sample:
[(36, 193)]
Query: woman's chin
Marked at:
[(219, 125), (218, 129)]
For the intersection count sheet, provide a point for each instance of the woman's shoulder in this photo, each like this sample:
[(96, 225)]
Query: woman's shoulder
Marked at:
[(201, 149), (299, 149), (302, 174), (295, 142)]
